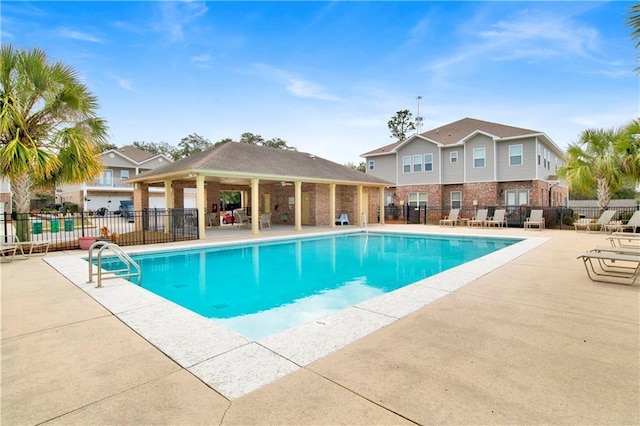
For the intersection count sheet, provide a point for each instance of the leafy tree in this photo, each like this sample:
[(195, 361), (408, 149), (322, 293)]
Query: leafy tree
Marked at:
[(108, 145), (400, 124), (163, 148), (252, 139), (362, 167), (594, 162), (49, 128), (275, 143), (190, 145)]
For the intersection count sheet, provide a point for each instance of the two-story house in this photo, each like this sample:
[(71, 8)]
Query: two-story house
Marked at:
[(469, 163), (111, 187)]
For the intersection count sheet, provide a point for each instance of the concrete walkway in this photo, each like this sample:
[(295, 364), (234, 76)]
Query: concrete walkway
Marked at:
[(535, 341)]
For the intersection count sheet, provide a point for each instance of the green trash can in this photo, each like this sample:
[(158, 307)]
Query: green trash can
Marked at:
[(37, 228), (55, 225), (68, 225)]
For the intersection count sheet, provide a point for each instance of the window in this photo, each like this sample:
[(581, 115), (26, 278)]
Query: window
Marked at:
[(406, 164), (478, 158), (418, 199), (515, 155), (372, 164), (456, 199), (106, 178), (545, 159), (124, 174), (538, 152), (428, 162), (517, 197), (453, 157), (417, 163)]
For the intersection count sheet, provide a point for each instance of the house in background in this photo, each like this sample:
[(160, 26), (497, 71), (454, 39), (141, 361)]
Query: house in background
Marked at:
[(470, 163), (5, 196), (111, 187)]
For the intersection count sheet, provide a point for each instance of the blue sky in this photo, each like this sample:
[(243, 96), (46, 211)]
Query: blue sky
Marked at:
[(327, 76)]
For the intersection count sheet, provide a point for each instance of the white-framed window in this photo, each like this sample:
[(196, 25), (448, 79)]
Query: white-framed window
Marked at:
[(418, 199), (453, 157), (517, 197), (544, 158), (406, 164), (372, 164), (515, 155), (478, 158), (417, 163), (428, 162), (106, 178), (124, 174), (456, 199)]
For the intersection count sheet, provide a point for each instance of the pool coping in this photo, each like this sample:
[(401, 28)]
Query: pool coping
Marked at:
[(234, 365)]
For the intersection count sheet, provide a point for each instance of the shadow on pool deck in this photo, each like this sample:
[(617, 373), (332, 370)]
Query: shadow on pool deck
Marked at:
[(535, 341)]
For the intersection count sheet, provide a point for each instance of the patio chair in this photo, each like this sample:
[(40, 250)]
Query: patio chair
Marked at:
[(241, 219), (8, 251), (624, 239), (617, 268), (265, 220), (451, 219), (343, 219), (535, 219), (27, 248), (632, 224), (599, 225), (480, 218), (498, 219)]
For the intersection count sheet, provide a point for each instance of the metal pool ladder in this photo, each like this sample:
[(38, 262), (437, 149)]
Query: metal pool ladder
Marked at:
[(118, 252)]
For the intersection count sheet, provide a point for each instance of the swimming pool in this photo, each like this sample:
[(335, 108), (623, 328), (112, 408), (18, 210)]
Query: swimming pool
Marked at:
[(262, 288)]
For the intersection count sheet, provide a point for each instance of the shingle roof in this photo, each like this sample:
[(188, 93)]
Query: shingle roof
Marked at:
[(135, 154), (458, 130), (253, 160)]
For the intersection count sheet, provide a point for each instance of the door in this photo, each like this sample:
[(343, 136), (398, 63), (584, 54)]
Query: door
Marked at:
[(266, 203), (305, 207)]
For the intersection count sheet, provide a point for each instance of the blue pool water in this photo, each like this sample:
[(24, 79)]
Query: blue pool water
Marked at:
[(263, 288)]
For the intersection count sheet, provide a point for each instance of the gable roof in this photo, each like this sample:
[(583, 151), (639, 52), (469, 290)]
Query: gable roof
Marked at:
[(458, 131), (135, 155), (245, 161)]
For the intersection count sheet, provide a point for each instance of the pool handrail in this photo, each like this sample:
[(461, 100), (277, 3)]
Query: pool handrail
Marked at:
[(118, 252)]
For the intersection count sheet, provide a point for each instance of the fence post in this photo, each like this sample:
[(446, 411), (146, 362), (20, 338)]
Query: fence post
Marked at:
[(82, 222)]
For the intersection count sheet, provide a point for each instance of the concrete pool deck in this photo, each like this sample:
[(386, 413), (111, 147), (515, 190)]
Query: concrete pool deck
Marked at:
[(531, 341)]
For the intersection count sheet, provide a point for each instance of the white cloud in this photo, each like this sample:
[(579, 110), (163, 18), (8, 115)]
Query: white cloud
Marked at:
[(293, 84), (122, 82), (176, 15), (78, 35), (203, 60)]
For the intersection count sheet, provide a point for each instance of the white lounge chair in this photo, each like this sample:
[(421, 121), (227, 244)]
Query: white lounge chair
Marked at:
[(599, 225), (632, 224), (498, 219), (480, 217), (610, 267), (451, 219), (624, 239), (343, 219), (535, 219), (7, 250), (27, 248), (265, 220), (241, 219)]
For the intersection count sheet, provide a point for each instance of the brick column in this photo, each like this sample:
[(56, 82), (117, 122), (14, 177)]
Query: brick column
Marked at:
[(140, 202)]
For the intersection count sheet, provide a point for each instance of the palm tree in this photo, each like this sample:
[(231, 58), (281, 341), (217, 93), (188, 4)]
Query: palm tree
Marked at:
[(633, 20), (629, 149), (593, 162), (49, 129)]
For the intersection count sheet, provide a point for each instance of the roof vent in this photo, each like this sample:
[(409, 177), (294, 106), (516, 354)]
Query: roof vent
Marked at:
[(312, 156)]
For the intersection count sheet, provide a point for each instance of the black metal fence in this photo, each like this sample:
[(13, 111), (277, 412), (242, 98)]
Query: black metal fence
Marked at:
[(64, 231), (556, 217)]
